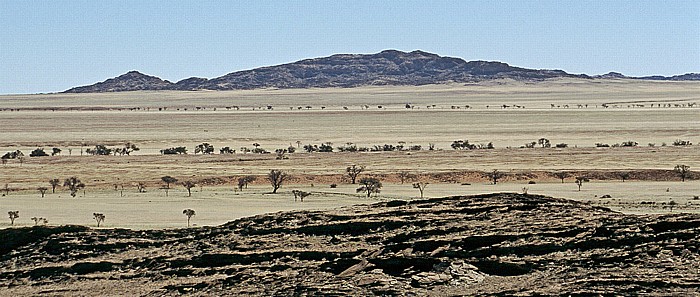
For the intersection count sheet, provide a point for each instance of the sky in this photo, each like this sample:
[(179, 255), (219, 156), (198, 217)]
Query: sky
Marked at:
[(51, 46)]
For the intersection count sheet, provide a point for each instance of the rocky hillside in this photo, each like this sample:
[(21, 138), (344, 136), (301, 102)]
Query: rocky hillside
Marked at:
[(489, 245), (130, 81), (388, 67)]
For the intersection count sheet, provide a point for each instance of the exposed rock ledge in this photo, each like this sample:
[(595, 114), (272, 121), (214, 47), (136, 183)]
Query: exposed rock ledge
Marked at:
[(496, 244)]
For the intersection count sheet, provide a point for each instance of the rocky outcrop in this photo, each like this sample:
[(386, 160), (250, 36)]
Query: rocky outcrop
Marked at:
[(130, 81), (682, 77), (390, 67), (494, 245)]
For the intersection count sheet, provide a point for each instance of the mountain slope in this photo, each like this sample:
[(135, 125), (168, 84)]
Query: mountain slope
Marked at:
[(390, 67), (130, 81), (484, 245)]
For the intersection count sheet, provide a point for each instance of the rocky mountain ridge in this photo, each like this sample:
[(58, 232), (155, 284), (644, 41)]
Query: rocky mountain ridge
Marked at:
[(389, 67), (500, 244)]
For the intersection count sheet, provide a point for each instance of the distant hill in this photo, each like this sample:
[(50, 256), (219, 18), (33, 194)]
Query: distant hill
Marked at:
[(389, 67), (130, 81)]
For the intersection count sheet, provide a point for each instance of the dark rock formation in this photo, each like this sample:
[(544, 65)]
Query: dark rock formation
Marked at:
[(494, 245), (682, 77), (390, 67), (130, 81)]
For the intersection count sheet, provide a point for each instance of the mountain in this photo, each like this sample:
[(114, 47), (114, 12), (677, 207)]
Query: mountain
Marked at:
[(682, 77), (130, 81), (611, 75), (389, 67), (485, 245)]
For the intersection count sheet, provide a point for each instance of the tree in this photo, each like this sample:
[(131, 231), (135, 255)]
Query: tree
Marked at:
[(39, 152), (495, 175), (141, 187), (580, 180), (99, 218), (421, 187), (561, 175), (276, 178), (14, 214), (55, 151), (326, 147), (300, 194), (683, 171), (370, 185), (168, 180), (43, 221), (128, 148), (204, 148), (281, 154), (42, 190), (405, 175), (544, 142), (353, 171), (180, 150), (73, 184), (226, 150), (99, 150), (672, 204), (189, 213), (54, 183), (624, 175), (12, 155), (244, 181), (189, 185)]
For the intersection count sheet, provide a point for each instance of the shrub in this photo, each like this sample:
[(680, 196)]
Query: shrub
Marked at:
[(39, 152)]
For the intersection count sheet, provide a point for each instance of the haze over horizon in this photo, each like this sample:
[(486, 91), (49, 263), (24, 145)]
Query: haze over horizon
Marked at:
[(53, 46)]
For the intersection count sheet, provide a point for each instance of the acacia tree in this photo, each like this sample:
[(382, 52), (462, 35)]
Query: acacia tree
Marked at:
[(43, 221), (74, 185), (189, 185), (353, 171), (276, 178), (189, 213), (370, 185), (204, 148), (561, 175), (54, 183), (244, 181), (42, 190), (580, 180), (495, 175), (168, 180), (421, 187), (624, 175), (128, 148), (300, 195), (544, 142), (683, 171), (99, 217), (405, 175), (14, 214)]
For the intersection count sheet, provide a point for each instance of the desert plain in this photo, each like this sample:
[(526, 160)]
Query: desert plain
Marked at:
[(577, 112)]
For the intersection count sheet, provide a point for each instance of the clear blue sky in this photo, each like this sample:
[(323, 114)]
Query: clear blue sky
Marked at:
[(50, 46)]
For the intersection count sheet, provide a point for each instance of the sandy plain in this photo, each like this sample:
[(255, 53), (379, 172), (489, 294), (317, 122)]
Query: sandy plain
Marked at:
[(77, 121)]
